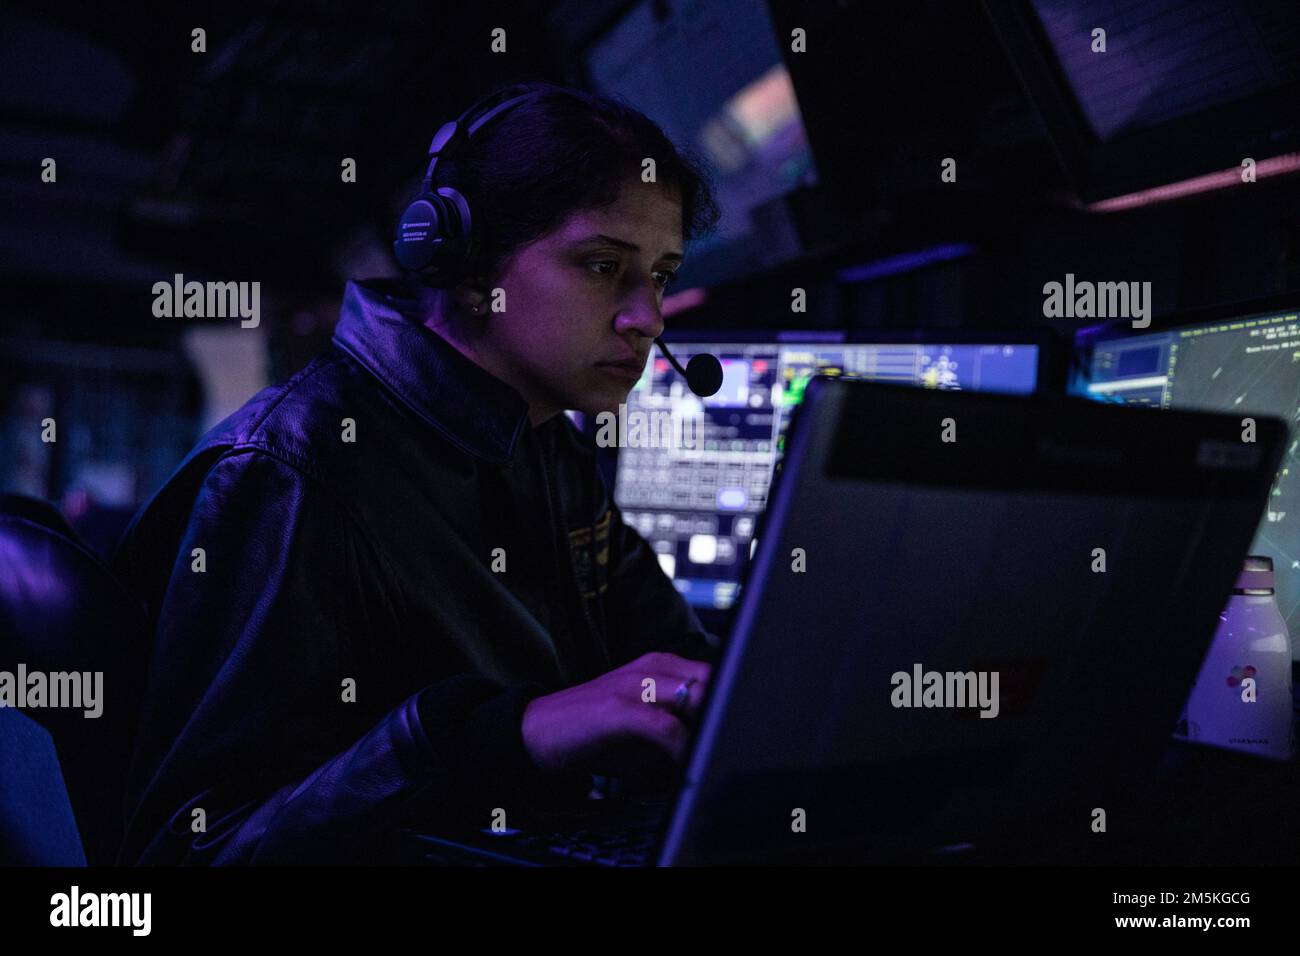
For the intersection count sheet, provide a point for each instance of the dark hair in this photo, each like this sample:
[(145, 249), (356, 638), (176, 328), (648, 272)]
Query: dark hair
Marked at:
[(560, 153)]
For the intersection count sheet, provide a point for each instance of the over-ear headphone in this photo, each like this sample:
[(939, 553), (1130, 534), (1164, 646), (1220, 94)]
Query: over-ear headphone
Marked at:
[(436, 238)]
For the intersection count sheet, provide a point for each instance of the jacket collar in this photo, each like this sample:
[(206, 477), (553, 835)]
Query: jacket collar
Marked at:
[(380, 325)]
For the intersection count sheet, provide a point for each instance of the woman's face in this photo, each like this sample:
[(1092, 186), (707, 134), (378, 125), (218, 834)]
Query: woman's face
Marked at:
[(588, 293)]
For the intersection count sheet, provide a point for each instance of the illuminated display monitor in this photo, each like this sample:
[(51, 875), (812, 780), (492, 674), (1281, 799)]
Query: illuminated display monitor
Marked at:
[(741, 115), (1244, 362), (696, 497), (1182, 90)]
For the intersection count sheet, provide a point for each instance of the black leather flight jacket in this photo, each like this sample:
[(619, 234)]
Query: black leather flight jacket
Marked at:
[(356, 583)]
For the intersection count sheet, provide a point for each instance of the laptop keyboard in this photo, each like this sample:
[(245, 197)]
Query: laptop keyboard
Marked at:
[(616, 833), (626, 846)]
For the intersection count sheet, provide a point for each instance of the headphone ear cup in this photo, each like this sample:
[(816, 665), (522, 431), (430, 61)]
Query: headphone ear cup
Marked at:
[(454, 255), (434, 237)]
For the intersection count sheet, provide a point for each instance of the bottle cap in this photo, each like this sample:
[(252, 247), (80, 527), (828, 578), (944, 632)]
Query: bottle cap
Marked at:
[(1256, 575)]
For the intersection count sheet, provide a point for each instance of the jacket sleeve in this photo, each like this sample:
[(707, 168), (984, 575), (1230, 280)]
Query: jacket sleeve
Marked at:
[(644, 611), (248, 725)]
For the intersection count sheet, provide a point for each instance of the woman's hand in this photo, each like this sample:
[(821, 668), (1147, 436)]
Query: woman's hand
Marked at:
[(608, 725)]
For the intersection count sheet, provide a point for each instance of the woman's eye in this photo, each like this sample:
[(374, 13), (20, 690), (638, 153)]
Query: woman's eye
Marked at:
[(663, 276)]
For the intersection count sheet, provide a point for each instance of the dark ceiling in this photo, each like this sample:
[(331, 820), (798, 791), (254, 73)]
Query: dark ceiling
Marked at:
[(228, 162)]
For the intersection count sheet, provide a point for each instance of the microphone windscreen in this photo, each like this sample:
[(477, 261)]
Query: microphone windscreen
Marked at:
[(704, 374)]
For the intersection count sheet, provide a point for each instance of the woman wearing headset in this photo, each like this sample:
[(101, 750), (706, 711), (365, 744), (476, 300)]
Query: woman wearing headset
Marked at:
[(393, 590)]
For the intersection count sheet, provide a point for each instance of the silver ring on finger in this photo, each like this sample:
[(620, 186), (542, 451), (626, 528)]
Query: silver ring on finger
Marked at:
[(683, 693)]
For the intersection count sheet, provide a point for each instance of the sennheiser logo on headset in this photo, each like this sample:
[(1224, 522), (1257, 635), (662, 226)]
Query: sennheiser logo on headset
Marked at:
[(436, 235), (415, 231)]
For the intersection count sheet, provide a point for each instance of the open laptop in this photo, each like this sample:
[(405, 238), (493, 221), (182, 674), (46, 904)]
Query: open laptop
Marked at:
[(1079, 552)]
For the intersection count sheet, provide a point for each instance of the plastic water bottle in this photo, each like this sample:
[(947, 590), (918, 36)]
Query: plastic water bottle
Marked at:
[(1242, 696)]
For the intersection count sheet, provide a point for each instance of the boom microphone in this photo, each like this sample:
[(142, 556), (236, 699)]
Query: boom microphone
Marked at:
[(703, 373)]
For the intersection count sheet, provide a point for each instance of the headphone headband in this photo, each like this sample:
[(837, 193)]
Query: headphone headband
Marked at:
[(454, 134), (436, 238)]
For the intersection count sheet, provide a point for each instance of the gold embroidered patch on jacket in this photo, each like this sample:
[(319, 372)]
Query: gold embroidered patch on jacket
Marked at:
[(580, 547)]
